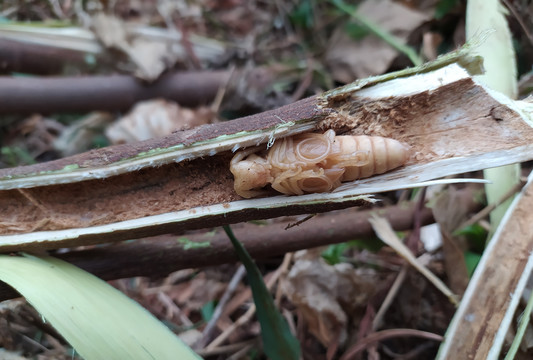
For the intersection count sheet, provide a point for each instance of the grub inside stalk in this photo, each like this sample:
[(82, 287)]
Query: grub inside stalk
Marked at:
[(312, 163)]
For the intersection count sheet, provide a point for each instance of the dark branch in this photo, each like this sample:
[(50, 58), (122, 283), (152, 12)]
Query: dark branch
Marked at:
[(110, 93)]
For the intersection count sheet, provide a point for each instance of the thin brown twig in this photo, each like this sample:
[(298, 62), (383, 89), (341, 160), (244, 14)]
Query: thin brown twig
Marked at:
[(284, 269), (222, 90), (414, 236), (365, 325), (209, 329), (187, 45), (290, 320), (412, 354), (226, 349), (393, 291), (520, 20), (242, 352), (173, 309), (245, 318), (333, 345), (305, 82), (390, 297), (299, 222), (387, 334), (386, 233), (487, 209)]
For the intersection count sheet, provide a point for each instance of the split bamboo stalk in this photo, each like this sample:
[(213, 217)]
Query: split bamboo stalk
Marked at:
[(182, 181)]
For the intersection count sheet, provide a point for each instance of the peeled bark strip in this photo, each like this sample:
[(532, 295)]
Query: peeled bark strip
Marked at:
[(182, 181), (486, 312)]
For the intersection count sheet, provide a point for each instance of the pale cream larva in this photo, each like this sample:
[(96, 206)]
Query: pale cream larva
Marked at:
[(310, 163)]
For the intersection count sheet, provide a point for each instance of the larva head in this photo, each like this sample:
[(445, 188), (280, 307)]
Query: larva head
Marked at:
[(249, 175)]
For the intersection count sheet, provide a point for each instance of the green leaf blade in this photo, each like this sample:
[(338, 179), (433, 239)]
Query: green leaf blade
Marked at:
[(278, 341), (96, 319)]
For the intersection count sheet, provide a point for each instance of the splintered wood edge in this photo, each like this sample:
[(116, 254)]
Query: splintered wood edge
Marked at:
[(480, 324)]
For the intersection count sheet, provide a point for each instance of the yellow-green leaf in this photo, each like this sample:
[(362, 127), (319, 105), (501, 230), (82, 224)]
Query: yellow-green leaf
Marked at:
[(99, 321)]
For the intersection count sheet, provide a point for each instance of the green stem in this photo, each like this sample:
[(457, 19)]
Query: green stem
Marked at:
[(278, 341), (522, 326)]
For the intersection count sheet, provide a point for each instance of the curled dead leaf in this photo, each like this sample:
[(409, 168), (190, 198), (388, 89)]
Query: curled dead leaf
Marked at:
[(151, 58), (156, 118), (327, 296), (351, 59), (79, 135)]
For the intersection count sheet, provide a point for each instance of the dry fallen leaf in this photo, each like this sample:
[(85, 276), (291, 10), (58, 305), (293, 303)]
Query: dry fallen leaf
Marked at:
[(156, 118), (79, 136), (327, 296), (450, 211), (35, 134), (151, 58), (385, 232), (351, 59), (196, 293)]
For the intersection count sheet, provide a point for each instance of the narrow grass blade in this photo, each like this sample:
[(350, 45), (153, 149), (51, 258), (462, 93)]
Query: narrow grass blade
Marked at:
[(522, 327), (278, 341), (96, 319)]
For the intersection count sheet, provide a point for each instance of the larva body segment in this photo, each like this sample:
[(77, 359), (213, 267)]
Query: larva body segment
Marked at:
[(371, 155), (315, 163)]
